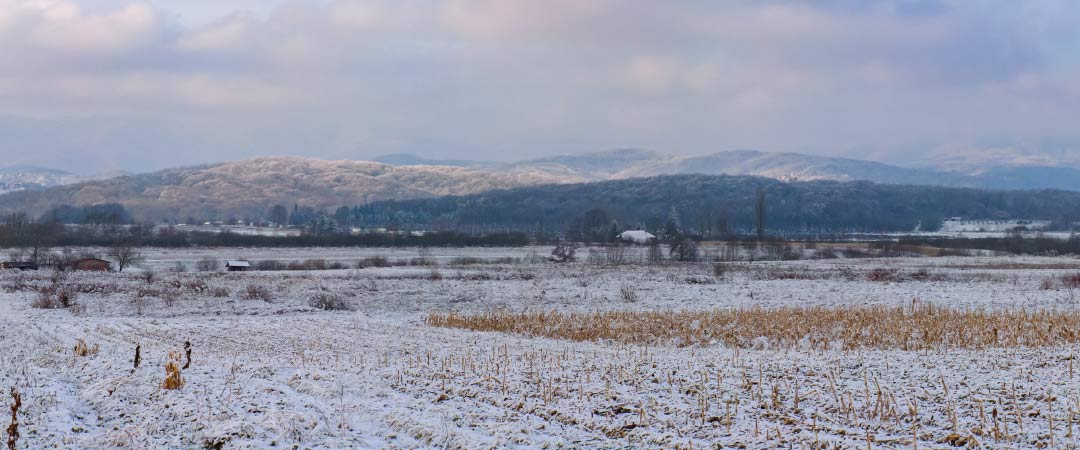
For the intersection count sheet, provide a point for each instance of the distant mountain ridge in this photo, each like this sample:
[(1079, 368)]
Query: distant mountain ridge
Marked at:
[(22, 178), (246, 189), (633, 163)]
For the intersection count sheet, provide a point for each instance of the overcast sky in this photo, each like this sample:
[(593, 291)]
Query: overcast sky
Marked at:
[(117, 84)]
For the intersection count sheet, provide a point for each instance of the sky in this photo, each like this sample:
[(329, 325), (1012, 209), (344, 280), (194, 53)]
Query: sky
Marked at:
[(92, 86)]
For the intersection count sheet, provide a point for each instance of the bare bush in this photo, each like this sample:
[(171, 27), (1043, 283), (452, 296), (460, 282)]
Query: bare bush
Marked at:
[(373, 261), (628, 293), (699, 279), (684, 250), (207, 264), (45, 300), (563, 252), (220, 292), (314, 264), (1071, 281), (269, 265), (258, 292), (170, 296), (883, 275), (1047, 284), (329, 301), (55, 296)]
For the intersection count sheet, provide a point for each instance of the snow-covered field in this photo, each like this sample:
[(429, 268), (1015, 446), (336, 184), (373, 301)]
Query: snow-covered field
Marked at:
[(268, 370)]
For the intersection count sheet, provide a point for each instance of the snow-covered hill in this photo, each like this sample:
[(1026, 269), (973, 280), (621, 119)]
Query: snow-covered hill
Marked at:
[(21, 178)]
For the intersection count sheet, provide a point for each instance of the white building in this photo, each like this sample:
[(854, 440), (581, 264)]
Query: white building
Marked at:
[(637, 236)]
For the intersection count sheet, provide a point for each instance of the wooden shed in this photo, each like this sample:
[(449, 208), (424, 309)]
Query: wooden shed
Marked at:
[(237, 266), (93, 265), (19, 265)]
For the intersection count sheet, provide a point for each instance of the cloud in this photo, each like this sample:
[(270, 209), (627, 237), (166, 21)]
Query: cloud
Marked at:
[(517, 78)]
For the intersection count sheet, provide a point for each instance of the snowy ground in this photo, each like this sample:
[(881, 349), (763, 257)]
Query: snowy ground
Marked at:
[(282, 374)]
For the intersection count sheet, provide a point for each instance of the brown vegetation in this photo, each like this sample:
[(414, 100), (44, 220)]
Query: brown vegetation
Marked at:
[(916, 327), (83, 349), (13, 428), (173, 379)]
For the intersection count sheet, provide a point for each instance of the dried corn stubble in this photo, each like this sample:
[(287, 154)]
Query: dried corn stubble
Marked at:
[(919, 326)]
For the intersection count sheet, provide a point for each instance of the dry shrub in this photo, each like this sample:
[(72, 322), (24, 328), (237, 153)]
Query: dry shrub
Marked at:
[(13, 428), (258, 292), (66, 295), (173, 379), (465, 261), (918, 327), (435, 275), (774, 274), (921, 275), (478, 276), (220, 292), (373, 261), (883, 275), (1071, 281), (1047, 284), (699, 279), (314, 264), (145, 292), (329, 301), (45, 300), (269, 265), (628, 293), (55, 296), (196, 285), (170, 296), (422, 261), (18, 282), (207, 264), (82, 349)]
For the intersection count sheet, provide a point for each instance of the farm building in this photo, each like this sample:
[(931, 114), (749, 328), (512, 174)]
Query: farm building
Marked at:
[(93, 265), (19, 265), (637, 236), (237, 266)]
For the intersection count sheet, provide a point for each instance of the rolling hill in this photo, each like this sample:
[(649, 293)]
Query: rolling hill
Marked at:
[(246, 189)]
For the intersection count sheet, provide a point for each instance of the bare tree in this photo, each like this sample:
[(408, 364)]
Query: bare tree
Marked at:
[(125, 255), (563, 252), (759, 214)]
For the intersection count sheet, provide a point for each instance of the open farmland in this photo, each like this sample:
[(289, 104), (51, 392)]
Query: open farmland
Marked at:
[(498, 348)]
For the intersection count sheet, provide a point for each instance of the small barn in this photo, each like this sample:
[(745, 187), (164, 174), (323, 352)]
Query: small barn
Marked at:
[(19, 265), (237, 266), (93, 265), (637, 236)]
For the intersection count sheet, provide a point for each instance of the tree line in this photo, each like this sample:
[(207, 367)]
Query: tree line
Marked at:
[(719, 207)]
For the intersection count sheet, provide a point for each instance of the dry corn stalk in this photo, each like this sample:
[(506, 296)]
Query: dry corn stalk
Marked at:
[(173, 380), (920, 326), (13, 429), (82, 349)]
